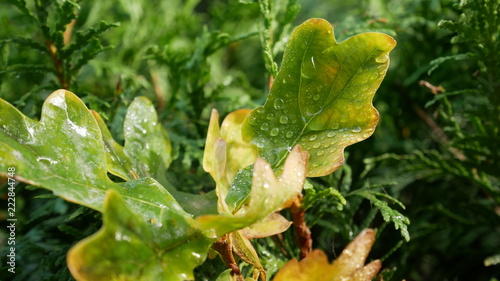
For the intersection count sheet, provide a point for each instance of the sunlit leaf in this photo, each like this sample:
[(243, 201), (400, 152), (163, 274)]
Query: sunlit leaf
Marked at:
[(322, 97), (269, 226), (65, 153), (349, 266), (268, 195), (226, 152), (129, 248)]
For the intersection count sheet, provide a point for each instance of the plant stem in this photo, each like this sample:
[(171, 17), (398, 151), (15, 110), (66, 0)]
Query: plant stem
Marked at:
[(302, 231)]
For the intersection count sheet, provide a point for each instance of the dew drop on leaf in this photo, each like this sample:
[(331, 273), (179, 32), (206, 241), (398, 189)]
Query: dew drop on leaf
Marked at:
[(356, 129), (313, 137), (278, 103), (331, 134), (264, 126), (274, 132), (283, 120), (289, 135), (382, 58)]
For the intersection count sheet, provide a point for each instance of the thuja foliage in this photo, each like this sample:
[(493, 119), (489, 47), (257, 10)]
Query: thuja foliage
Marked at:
[(320, 102)]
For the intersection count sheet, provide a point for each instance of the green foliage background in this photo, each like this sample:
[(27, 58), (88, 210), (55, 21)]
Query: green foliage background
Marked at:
[(437, 154)]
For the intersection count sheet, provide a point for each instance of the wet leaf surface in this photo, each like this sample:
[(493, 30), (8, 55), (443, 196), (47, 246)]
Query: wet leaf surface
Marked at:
[(146, 235), (321, 98), (130, 248), (349, 266)]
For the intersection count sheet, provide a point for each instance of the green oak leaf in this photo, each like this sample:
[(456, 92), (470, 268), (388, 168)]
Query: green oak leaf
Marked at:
[(145, 139), (129, 248), (321, 98), (65, 153), (147, 150)]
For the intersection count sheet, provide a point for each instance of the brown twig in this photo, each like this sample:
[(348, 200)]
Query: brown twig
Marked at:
[(438, 131), (224, 247), (301, 229)]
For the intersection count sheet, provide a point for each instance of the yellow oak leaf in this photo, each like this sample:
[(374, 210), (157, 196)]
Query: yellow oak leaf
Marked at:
[(349, 266)]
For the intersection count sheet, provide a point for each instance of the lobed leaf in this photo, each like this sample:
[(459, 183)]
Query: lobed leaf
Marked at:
[(268, 194), (129, 248), (145, 139), (65, 152), (349, 266), (321, 98)]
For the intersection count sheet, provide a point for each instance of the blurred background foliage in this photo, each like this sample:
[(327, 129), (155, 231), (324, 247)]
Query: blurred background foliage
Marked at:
[(436, 148)]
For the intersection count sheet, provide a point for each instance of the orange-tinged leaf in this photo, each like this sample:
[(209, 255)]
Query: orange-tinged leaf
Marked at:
[(349, 266), (321, 97)]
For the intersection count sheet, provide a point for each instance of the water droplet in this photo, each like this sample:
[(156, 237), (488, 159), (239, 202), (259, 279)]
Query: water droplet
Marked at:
[(283, 120), (317, 145), (289, 135), (365, 87), (344, 118), (284, 81), (47, 160), (274, 132), (356, 129), (313, 137), (308, 69), (335, 126), (382, 58), (320, 153), (270, 116), (331, 134), (252, 120), (264, 126), (279, 103), (316, 97)]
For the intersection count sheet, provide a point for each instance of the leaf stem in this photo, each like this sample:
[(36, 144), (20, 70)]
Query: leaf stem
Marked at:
[(302, 231), (224, 247)]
